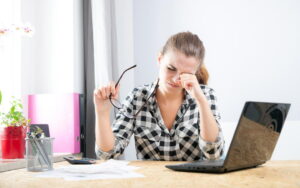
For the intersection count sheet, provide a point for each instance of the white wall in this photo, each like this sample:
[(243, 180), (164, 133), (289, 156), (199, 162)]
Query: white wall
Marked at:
[(52, 60), (252, 52), (252, 46)]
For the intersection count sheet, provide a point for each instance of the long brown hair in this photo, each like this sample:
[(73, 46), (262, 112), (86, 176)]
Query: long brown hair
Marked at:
[(190, 45)]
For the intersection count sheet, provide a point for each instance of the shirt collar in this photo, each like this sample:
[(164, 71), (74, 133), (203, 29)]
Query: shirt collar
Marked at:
[(152, 90), (188, 100)]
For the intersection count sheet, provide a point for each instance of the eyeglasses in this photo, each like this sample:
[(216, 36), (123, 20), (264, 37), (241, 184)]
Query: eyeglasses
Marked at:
[(118, 105)]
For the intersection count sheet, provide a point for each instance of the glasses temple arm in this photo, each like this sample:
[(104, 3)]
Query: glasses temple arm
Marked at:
[(123, 74)]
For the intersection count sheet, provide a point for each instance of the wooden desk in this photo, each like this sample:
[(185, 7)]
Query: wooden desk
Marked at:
[(272, 174)]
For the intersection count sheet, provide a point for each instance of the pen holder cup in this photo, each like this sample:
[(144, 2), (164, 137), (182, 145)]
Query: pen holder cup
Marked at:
[(39, 154)]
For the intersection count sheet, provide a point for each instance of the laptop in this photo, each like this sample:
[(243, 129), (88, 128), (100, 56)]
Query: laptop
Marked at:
[(253, 142)]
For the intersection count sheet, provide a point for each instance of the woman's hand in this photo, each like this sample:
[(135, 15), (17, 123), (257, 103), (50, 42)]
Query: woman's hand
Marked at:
[(101, 97), (190, 83)]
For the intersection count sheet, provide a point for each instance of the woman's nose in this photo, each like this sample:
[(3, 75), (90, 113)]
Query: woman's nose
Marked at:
[(176, 78)]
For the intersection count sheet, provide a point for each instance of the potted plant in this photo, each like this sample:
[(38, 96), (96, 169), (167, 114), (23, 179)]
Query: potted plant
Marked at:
[(13, 126)]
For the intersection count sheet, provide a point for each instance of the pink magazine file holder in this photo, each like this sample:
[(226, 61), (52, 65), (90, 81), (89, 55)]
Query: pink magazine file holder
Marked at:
[(61, 112)]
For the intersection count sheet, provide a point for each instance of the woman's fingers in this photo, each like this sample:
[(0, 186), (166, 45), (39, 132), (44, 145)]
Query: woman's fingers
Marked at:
[(96, 93), (115, 91), (105, 91), (99, 94), (112, 89), (188, 81), (187, 85), (109, 91)]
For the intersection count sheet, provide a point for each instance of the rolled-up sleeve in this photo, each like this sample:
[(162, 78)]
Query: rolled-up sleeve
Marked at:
[(117, 151), (213, 150)]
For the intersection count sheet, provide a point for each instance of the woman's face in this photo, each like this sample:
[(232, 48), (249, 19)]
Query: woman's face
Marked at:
[(171, 65)]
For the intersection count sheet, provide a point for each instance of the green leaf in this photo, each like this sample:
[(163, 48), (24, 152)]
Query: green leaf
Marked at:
[(0, 96), (14, 117), (12, 109)]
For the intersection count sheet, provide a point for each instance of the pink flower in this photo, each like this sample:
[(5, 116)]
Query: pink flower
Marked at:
[(21, 29)]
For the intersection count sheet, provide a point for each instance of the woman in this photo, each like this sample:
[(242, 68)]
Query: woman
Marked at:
[(174, 118)]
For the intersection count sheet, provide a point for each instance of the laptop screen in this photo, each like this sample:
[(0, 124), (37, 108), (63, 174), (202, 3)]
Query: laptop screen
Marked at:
[(256, 134)]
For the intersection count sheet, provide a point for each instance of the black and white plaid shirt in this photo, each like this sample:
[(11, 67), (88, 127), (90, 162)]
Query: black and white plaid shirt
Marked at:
[(153, 140)]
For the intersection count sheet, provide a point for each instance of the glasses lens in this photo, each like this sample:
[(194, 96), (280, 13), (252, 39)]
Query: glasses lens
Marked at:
[(116, 103)]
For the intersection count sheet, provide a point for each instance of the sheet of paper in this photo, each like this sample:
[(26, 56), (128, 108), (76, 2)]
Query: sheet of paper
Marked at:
[(111, 169)]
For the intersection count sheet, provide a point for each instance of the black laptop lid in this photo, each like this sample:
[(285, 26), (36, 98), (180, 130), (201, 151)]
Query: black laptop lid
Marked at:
[(256, 135)]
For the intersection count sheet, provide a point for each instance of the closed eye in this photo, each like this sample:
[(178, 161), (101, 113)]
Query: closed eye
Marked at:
[(171, 69)]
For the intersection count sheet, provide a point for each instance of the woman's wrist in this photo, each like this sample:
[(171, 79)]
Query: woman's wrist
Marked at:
[(201, 99), (102, 113)]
